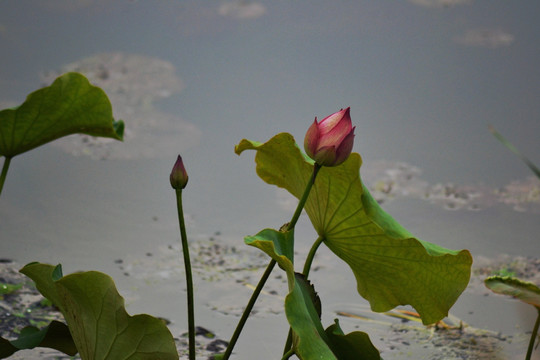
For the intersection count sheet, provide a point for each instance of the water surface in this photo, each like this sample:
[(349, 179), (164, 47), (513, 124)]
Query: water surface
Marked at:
[(423, 79)]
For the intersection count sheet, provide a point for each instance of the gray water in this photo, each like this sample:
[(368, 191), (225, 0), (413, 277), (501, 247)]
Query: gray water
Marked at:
[(423, 79)]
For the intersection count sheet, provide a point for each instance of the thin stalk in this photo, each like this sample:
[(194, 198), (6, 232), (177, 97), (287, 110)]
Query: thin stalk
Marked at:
[(189, 278), (5, 168), (304, 197), (311, 255), (248, 309), (533, 336), (269, 268), (288, 354)]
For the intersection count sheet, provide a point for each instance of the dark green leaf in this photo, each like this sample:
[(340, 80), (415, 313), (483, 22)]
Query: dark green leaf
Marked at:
[(6, 349), (70, 105), (57, 273), (353, 346), (55, 336)]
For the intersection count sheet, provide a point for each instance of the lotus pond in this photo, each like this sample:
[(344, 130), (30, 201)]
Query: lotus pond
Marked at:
[(253, 70)]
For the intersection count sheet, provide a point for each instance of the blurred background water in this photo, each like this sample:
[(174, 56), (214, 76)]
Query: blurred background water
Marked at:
[(423, 78)]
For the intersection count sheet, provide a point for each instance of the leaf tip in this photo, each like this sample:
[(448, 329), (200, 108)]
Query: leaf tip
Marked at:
[(57, 272), (245, 144), (118, 126)]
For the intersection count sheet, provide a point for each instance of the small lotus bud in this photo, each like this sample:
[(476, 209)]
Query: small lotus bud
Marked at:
[(179, 176), (330, 141)]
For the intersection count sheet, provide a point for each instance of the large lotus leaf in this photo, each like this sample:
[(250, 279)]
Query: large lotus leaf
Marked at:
[(70, 105), (55, 336), (522, 290), (95, 314), (310, 340), (391, 266)]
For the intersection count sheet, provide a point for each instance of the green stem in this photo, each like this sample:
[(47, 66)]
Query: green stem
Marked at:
[(533, 336), (288, 354), (311, 255), (189, 278), (304, 198), (248, 309), (269, 268), (288, 343), (5, 168)]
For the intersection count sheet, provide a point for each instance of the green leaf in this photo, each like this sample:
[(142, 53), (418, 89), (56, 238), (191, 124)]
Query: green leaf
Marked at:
[(302, 306), (391, 266), (70, 105), (309, 339), (97, 319), (6, 348), (302, 317), (353, 346), (55, 336), (523, 290)]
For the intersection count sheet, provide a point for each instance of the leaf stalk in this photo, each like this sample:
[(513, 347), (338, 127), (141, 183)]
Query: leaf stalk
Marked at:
[(533, 336), (5, 167), (311, 255)]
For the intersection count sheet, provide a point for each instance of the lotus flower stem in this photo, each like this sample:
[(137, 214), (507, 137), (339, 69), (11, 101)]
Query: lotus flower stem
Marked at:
[(304, 198), (5, 168), (189, 279), (533, 336), (269, 268)]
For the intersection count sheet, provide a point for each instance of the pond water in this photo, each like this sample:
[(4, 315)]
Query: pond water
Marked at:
[(423, 78)]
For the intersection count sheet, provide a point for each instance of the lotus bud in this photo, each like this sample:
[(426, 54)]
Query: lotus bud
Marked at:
[(330, 141), (179, 176)]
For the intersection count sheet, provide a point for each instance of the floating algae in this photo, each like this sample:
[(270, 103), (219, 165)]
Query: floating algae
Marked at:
[(393, 180)]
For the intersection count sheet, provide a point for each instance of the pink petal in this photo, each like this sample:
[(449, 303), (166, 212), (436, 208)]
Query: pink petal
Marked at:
[(345, 148), (336, 135), (329, 122), (312, 139)]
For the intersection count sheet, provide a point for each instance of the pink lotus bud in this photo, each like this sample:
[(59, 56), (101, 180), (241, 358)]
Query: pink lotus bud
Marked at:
[(179, 176), (330, 141)]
